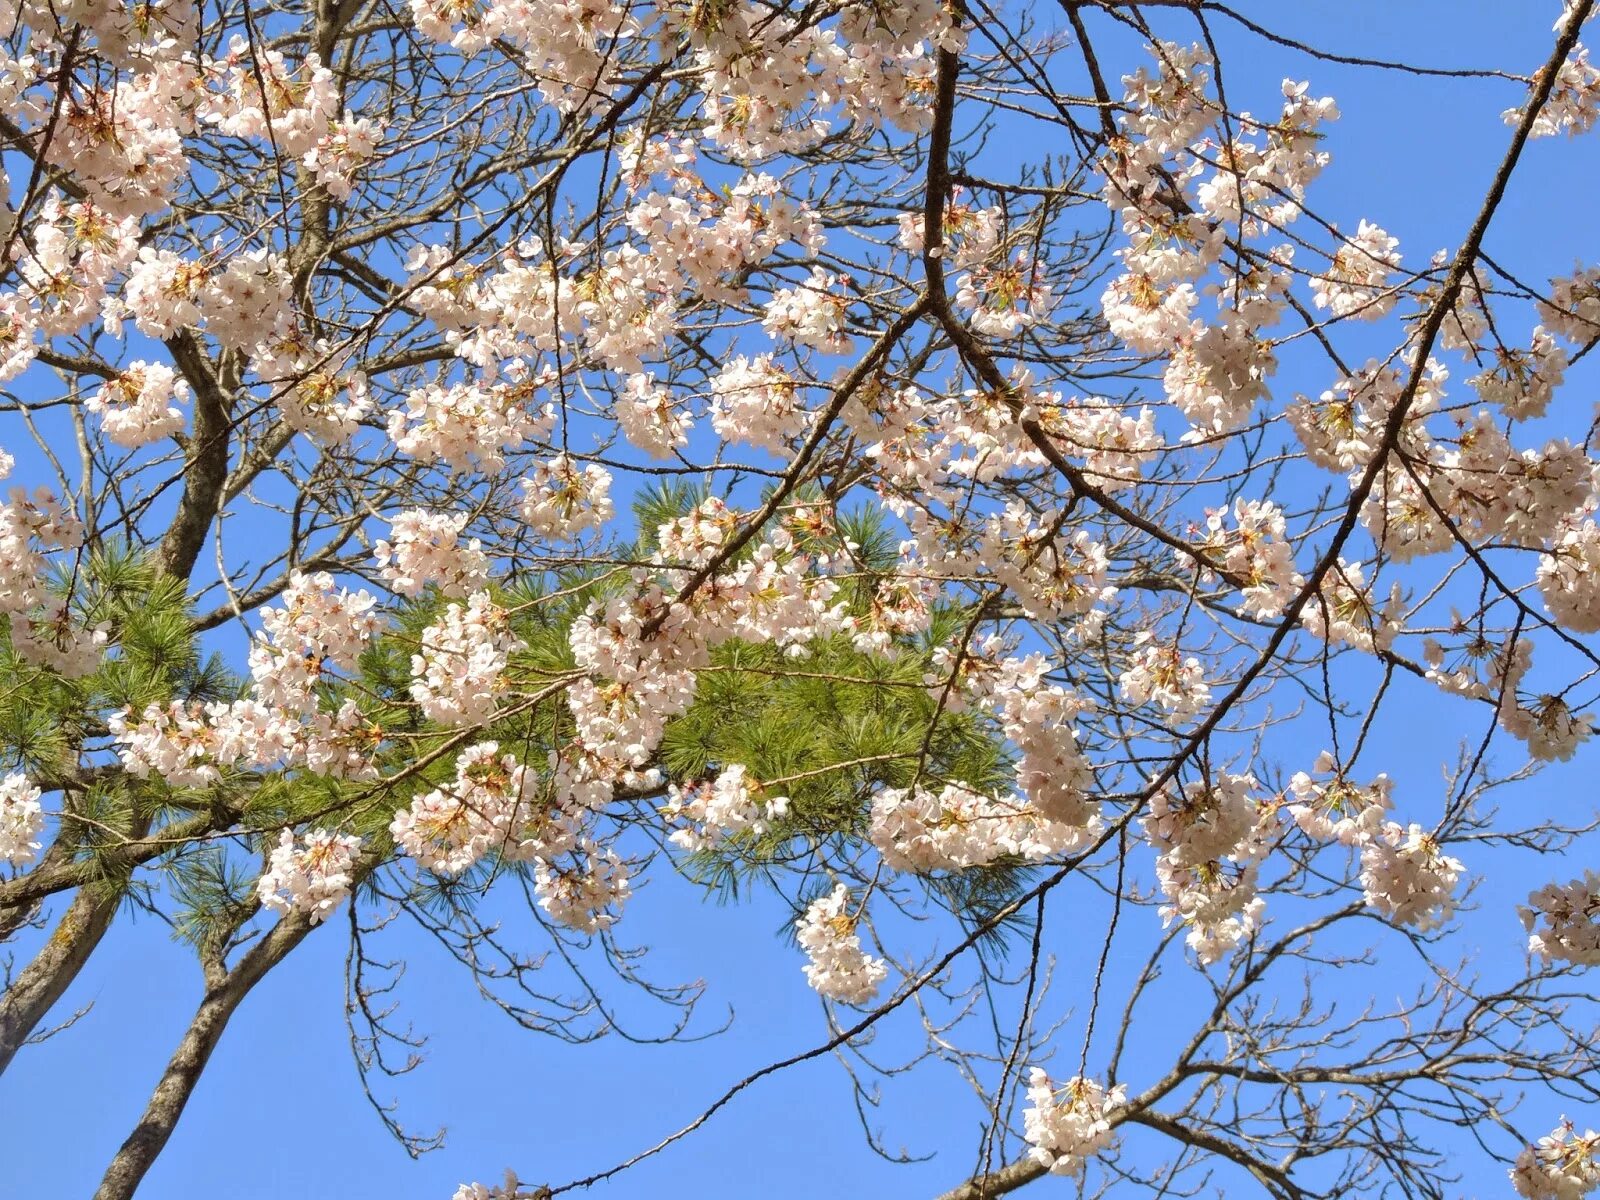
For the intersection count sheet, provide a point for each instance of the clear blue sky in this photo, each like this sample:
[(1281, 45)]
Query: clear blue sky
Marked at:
[(279, 1112)]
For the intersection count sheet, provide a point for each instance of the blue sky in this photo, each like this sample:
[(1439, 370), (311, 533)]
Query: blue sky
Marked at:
[(279, 1112)]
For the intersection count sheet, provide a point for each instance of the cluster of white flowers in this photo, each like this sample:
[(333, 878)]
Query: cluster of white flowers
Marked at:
[(137, 407), (1159, 673), (1345, 610), (53, 638), (18, 324), (1574, 103), (1334, 809), (245, 302), (1408, 877), (971, 235), (458, 671), (1546, 723), (811, 314), (487, 807), (125, 143), (1342, 429), (649, 419), (1562, 1166), (565, 498), (919, 830), (1066, 1126), (757, 401), (1569, 578), (162, 292), (511, 1186), (1255, 555), (838, 968), (311, 875), (44, 631), (1208, 840), (694, 538), (21, 819), (1549, 726), (642, 683), (715, 811), (466, 425), (641, 648), (1561, 921), (1114, 442), (175, 743), (588, 893), (315, 628), (772, 81), (1005, 300), (1355, 280), (901, 604), (1217, 374), (1040, 719), (187, 745), (569, 48), (1572, 310), (1051, 575), (1147, 315), (326, 405), (1522, 382), (426, 548)]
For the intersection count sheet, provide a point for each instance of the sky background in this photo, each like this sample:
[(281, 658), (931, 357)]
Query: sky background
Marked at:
[(279, 1112)]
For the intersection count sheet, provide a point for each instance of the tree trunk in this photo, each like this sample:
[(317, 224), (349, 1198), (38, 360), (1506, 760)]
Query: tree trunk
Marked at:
[(42, 982), (167, 1102)]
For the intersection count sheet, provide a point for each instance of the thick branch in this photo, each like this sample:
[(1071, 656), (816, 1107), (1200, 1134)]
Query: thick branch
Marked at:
[(167, 1102), (205, 475), (44, 980)]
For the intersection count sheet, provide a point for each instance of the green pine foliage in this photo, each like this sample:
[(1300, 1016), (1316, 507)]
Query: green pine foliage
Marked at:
[(827, 729)]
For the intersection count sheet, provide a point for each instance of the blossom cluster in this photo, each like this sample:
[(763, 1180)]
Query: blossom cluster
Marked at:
[(310, 874), (426, 548), (838, 967), (716, 810), (1564, 1165), (1066, 1126), (1407, 876), (459, 667), (21, 819), (1561, 921), (1208, 841)]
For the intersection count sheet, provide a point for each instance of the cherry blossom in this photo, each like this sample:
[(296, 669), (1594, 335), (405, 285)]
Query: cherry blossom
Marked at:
[(729, 805), (1068, 1125), (1354, 282), (564, 498), (588, 893), (1560, 920), (1574, 103), (812, 314), (1336, 809), (1569, 578), (838, 968), (315, 628), (1160, 674), (756, 401), (425, 548), (1564, 1165), (488, 807), (140, 405), (1408, 878), (459, 668), (310, 874), (21, 819)]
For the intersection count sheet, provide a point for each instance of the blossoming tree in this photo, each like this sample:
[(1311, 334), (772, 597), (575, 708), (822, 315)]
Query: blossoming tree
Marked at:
[(515, 446)]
